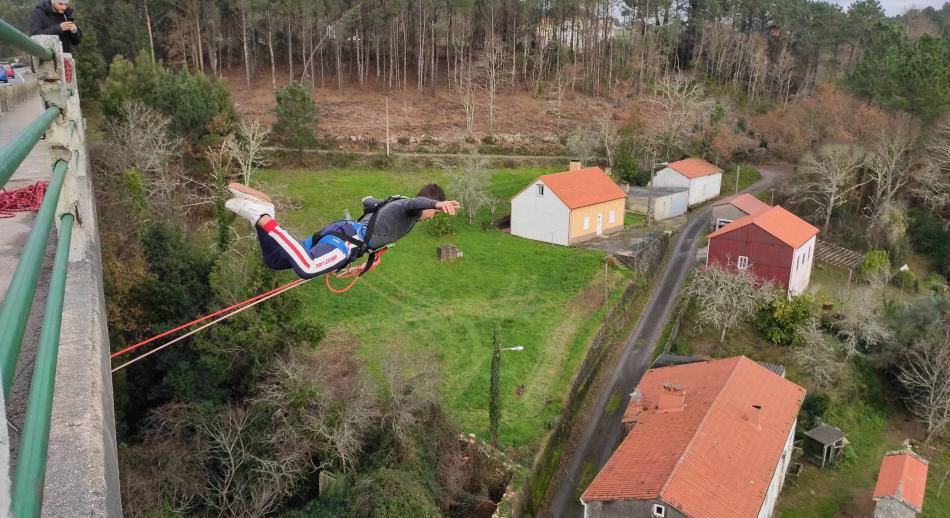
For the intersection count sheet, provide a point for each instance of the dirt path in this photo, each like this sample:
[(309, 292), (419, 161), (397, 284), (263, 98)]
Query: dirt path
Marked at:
[(401, 154), (603, 432)]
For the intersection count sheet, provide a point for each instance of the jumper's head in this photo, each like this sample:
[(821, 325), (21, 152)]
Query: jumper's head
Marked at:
[(434, 192)]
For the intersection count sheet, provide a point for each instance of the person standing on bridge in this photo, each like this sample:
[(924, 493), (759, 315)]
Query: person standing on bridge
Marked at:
[(55, 18), (339, 243)]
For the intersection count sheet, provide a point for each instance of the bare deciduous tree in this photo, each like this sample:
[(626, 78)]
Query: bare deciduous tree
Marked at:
[(143, 142), (724, 298), (931, 181), (470, 185), (492, 64), (861, 327), (410, 387), (925, 374), (818, 355), (584, 143), (608, 135), (247, 147), (678, 101), (825, 180), (888, 165)]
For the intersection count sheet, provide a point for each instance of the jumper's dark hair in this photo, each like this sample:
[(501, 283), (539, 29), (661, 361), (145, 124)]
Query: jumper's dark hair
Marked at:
[(432, 191)]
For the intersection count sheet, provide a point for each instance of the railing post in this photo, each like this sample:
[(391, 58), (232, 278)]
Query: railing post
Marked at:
[(58, 81)]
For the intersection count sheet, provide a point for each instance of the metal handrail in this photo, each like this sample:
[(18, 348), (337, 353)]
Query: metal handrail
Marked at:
[(13, 154), (19, 296), (34, 442), (11, 36)]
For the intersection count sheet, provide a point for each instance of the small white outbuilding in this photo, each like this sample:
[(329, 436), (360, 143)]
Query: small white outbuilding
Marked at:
[(704, 180)]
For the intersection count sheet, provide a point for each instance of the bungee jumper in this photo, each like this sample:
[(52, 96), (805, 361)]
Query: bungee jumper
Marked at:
[(340, 243)]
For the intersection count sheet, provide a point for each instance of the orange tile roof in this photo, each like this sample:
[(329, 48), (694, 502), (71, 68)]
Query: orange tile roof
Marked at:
[(746, 203), (583, 187), (714, 458), (694, 167), (787, 227), (903, 476)]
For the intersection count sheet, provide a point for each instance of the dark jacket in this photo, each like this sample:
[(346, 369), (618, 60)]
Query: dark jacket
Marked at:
[(395, 219), (45, 20)]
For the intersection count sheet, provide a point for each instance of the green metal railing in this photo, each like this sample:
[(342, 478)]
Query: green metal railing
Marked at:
[(11, 36), (30, 471)]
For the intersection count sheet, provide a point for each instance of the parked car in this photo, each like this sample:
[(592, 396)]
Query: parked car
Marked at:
[(3, 75), (11, 73)]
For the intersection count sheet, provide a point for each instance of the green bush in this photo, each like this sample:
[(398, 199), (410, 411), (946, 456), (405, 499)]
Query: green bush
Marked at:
[(403, 141), (876, 263), (905, 280), (935, 283), (197, 105), (441, 225), (781, 320), (930, 237), (627, 166), (390, 493), (129, 80), (296, 113)]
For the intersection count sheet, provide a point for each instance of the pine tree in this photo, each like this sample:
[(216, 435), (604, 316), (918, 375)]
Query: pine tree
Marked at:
[(296, 114)]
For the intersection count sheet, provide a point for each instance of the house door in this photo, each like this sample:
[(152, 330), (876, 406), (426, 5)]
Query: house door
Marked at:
[(600, 224)]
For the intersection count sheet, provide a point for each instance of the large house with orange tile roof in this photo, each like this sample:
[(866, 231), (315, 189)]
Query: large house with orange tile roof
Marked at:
[(901, 484), (734, 207), (710, 439), (704, 180), (568, 207), (775, 244)]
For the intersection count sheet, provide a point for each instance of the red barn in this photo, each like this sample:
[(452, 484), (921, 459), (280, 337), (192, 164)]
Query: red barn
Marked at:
[(775, 244)]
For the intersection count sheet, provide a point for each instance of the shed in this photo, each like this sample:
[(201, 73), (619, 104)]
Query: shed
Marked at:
[(825, 442), (668, 202), (735, 207), (901, 485), (704, 180)]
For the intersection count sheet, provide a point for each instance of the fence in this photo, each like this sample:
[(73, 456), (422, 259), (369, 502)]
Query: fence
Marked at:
[(61, 122), (13, 95), (645, 260)]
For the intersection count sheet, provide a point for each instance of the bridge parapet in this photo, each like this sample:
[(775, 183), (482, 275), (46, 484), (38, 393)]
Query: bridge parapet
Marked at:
[(66, 463)]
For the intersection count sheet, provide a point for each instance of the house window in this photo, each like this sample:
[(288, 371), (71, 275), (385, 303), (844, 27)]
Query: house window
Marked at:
[(659, 511), (613, 217), (540, 189), (743, 262)]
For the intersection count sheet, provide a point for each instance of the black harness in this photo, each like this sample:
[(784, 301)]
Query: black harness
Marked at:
[(362, 246)]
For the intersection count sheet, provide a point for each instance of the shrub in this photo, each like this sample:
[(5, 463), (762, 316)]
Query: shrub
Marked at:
[(930, 237), (441, 225), (389, 493), (905, 280), (488, 139), (627, 166), (781, 320), (194, 101), (876, 265), (296, 114), (935, 283), (130, 80), (813, 410)]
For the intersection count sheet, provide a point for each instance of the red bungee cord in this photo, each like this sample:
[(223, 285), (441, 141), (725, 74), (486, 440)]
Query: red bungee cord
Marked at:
[(26, 199)]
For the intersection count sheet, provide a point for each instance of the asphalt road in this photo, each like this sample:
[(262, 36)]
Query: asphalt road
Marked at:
[(604, 432)]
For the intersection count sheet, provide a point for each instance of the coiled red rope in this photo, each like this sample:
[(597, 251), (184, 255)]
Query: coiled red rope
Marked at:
[(26, 199)]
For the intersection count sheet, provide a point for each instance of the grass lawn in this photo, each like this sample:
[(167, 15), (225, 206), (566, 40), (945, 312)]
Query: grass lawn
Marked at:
[(634, 220), (860, 404), (747, 176), (545, 295)]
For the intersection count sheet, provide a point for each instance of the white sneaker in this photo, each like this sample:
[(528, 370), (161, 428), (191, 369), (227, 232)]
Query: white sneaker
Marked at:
[(251, 210), (240, 190)]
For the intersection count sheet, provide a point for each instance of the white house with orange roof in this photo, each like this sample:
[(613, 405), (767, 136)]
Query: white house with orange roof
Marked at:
[(568, 207), (709, 439), (704, 180), (901, 485)]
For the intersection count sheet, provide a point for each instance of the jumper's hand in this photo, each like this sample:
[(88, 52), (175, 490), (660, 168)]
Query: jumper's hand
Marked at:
[(448, 207)]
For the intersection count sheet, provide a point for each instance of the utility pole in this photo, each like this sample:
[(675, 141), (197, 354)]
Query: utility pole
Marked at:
[(494, 390), (387, 126), (650, 199), (737, 179)]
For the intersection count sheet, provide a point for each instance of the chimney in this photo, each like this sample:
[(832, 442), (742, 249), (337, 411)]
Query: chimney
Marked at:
[(672, 398), (575, 166), (753, 417)]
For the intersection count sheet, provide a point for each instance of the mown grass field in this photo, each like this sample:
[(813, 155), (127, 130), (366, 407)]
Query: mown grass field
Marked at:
[(542, 294)]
